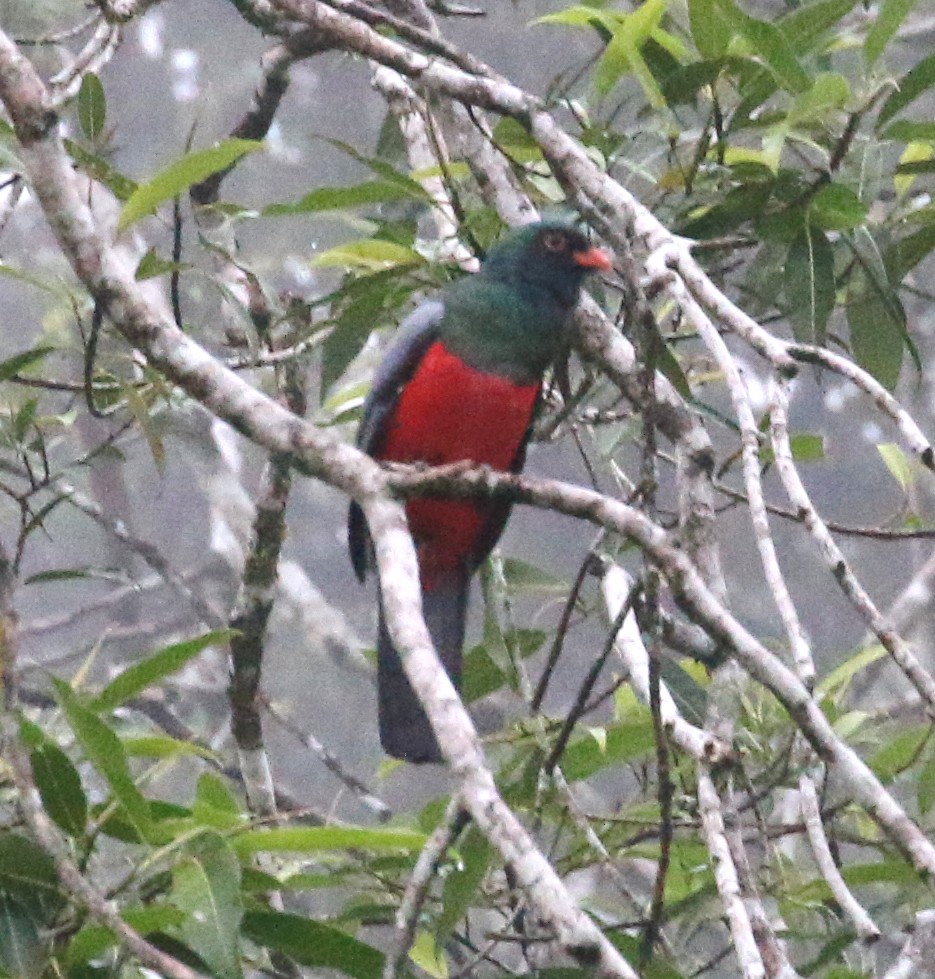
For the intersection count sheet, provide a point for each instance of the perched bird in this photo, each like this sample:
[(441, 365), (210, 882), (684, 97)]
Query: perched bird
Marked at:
[(461, 381)]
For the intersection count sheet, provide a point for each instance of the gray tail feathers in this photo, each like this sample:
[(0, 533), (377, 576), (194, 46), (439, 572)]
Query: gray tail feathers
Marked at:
[(405, 731)]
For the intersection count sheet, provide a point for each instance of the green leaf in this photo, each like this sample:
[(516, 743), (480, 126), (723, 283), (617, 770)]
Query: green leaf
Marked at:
[(315, 839), (59, 786), (829, 90), (622, 52), (925, 785), (907, 131), (623, 742), (711, 29), (25, 418), (462, 884), (206, 887), (121, 186), (838, 680), (94, 940), (483, 675), (744, 203), (428, 956), (807, 447), (20, 362), (836, 208), (92, 107), (162, 746), (385, 171), (580, 15), (151, 670), (771, 45), (808, 285), (103, 749), (180, 175), (151, 265), (140, 408), (804, 27), (24, 951), (683, 85), (897, 463), (897, 871), (27, 874), (523, 576), (345, 342), (877, 327), (915, 166), (313, 944), (904, 255), (890, 15), (908, 89), (335, 198), (898, 753), (74, 574), (37, 283), (214, 805), (370, 254)]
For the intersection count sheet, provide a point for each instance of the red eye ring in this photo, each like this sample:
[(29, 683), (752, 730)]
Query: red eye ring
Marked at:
[(554, 241)]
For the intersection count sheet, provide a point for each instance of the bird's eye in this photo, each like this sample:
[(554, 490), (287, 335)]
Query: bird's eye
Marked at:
[(554, 241)]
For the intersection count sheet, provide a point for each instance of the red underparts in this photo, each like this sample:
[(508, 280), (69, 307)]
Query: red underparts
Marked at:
[(449, 412)]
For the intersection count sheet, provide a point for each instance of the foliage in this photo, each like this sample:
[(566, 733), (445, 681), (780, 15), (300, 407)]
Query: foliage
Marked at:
[(797, 149)]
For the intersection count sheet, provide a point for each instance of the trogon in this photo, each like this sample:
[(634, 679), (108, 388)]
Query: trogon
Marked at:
[(461, 382)]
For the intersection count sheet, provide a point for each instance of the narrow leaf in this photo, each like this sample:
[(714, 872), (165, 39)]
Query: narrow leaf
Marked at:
[(313, 944), (891, 14), (368, 254), (461, 885), (771, 45), (907, 131), (906, 253), (313, 839), (59, 786), (100, 169), (836, 208), (92, 107), (711, 30), (214, 805), (23, 950), (897, 463), (206, 886), (103, 749), (875, 314), (151, 670), (837, 681), (151, 265), (27, 873), (808, 285), (92, 941), (74, 574), (19, 362), (180, 175), (804, 27), (624, 742), (926, 785), (334, 198), (898, 753), (581, 15), (908, 89), (427, 955)]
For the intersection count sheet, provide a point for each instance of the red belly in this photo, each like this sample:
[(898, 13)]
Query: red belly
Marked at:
[(449, 412)]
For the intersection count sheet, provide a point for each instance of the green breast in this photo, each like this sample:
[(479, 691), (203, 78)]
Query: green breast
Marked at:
[(496, 328)]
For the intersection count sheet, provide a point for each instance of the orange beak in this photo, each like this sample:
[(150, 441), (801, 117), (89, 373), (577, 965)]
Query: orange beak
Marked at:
[(593, 258)]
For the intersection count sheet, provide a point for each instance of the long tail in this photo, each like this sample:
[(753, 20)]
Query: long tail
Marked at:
[(405, 731)]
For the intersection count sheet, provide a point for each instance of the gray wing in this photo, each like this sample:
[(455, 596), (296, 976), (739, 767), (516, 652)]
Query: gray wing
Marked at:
[(413, 338)]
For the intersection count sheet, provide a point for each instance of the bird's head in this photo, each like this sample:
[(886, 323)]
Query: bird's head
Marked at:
[(554, 256)]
